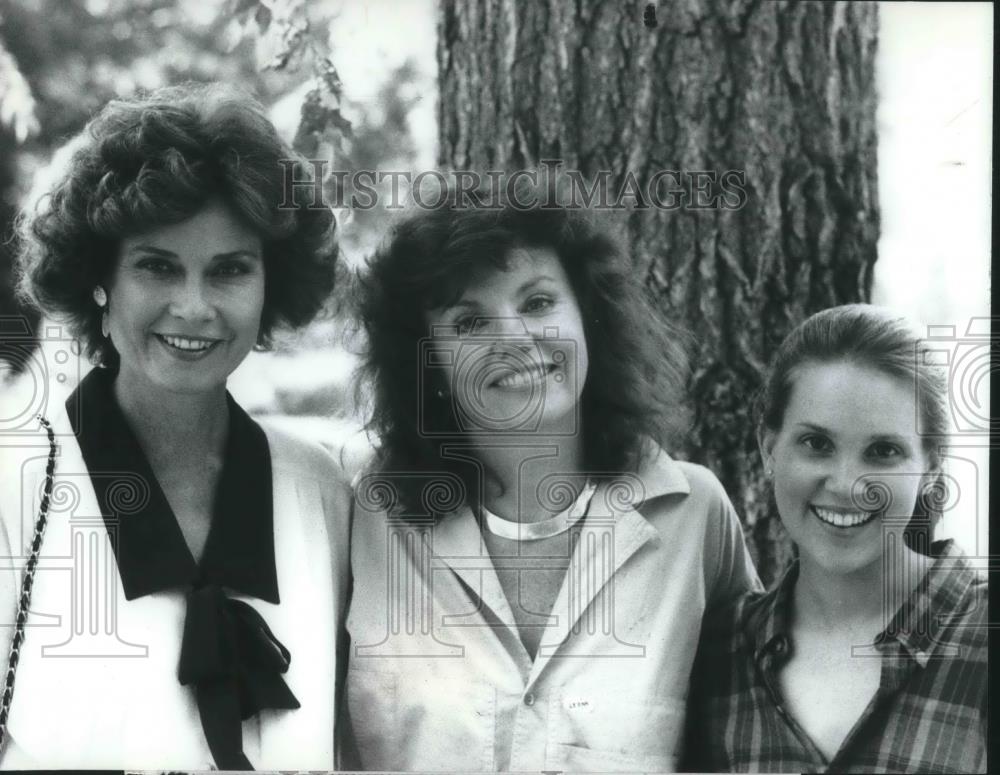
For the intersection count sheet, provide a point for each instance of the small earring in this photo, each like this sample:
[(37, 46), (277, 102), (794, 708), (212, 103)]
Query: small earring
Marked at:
[(440, 393), (769, 472), (100, 297), (105, 327)]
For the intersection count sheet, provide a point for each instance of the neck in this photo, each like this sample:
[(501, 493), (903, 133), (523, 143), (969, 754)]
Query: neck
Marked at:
[(527, 478), (165, 422), (865, 599)]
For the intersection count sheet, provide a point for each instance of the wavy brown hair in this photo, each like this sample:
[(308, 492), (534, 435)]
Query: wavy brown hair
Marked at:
[(157, 160), (637, 362)]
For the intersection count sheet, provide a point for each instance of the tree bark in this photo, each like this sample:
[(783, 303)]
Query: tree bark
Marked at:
[(784, 92)]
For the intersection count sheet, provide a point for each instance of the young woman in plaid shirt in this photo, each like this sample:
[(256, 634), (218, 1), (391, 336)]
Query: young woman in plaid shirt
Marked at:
[(870, 654)]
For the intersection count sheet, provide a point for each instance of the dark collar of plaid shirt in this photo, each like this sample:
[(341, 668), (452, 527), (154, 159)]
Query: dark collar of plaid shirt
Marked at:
[(915, 627)]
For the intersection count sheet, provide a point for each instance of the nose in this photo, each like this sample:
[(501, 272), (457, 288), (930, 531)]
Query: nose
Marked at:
[(509, 333), (189, 301), (847, 479)]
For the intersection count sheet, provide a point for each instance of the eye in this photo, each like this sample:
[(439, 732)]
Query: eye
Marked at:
[(156, 266), (816, 442), (231, 269), (464, 323), (884, 451), (538, 303)]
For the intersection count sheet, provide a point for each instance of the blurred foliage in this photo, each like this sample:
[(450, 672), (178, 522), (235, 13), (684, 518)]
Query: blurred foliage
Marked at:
[(62, 60), (381, 141)]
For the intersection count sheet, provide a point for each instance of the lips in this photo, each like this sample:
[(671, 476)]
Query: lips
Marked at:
[(842, 518), (519, 378), (187, 344)]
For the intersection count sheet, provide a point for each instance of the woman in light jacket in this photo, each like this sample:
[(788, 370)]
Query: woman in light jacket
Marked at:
[(172, 594), (530, 566)]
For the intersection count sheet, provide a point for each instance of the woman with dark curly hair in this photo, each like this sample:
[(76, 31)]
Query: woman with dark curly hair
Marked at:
[(170, 251), (530, 566)]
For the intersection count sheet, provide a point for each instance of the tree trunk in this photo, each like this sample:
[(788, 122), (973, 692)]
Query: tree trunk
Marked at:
[(784, 92)]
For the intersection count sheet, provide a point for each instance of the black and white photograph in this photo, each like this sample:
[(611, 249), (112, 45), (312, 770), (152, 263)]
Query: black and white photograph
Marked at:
[(458, 386)]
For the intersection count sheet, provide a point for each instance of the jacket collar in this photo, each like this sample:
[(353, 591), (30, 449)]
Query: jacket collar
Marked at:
[(614, 518)]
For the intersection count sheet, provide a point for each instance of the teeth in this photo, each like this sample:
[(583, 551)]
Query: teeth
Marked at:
[(522, 378), (182, 343), (842, 518)]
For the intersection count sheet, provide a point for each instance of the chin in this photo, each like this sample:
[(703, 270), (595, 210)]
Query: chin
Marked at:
[(843, 563), (191, 384)]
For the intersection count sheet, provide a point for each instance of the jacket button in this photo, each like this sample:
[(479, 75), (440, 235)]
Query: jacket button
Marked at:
[(529, 699)]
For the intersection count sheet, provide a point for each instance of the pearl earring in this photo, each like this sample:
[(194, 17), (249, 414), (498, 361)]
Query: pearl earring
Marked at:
[(101, 299)]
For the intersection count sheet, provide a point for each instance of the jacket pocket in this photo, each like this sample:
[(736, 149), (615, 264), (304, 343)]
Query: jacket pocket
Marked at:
[(596, 733), (403, 721)]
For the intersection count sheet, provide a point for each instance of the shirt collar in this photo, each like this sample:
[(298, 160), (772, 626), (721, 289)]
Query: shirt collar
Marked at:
[(946, 587), (660, 475), (149, 547), (766, 619), (916, 625)]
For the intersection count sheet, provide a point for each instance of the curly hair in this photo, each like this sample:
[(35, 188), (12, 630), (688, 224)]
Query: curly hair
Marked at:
[(157, 160), (637, 362), (878, 339)]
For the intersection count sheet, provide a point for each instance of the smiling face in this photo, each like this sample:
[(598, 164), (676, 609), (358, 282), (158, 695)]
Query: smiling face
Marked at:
[(517, 359), (185, 304), (846, 428)]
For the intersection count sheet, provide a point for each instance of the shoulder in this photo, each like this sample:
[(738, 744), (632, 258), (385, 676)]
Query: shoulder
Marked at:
[(24, 458), (291, 454), (704, 484), (670, 484), (304, 472), (959, 599)]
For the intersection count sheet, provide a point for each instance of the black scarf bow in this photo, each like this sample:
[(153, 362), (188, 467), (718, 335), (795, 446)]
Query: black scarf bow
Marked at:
[(235, 663)]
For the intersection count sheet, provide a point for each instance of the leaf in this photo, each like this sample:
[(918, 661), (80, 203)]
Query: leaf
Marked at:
[(327, 71), (282, 45), (263, 18), (239, 7), (320, 120)]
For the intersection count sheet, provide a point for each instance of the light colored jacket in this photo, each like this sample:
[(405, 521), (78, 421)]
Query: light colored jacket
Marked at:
[(438, 678)]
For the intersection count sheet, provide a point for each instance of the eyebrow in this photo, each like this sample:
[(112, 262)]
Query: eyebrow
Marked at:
[(535, 281), (873, 437), (466, 304), (169, 254)]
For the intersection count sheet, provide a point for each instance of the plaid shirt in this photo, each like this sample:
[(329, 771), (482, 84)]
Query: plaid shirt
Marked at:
[(928, 715)]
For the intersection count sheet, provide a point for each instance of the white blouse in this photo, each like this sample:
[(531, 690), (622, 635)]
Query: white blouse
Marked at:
[(97, 683)]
